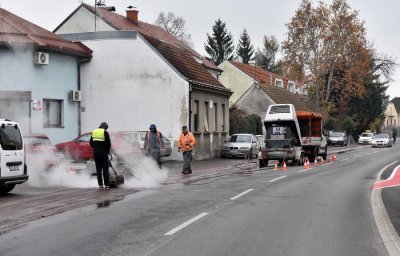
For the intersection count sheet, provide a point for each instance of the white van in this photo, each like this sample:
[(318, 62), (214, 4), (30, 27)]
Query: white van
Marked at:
[(13, 169)]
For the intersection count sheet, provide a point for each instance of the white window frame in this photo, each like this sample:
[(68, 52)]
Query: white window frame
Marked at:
[(276, 82), (292, 86), (53, 113)]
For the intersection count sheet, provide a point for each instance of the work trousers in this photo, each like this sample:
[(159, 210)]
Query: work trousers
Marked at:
[(101, 161), (156, 155), (187, 159)]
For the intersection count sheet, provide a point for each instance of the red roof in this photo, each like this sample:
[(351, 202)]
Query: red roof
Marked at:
[(259, 74), (120, 22), (15, 30)]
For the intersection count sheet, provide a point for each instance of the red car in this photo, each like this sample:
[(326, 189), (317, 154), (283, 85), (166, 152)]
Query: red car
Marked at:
[(40, 152), (122, 143)]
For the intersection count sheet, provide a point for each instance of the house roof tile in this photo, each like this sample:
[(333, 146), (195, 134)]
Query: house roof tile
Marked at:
[(259, 74), (283, 96), (15, 30), (120, 22), (175, 51)]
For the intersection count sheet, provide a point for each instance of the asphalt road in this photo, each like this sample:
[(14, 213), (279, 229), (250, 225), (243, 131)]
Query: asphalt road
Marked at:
[(324, 210)]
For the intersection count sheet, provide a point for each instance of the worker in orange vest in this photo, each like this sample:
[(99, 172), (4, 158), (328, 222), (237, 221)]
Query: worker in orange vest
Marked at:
[(186, 144), (153, 143)]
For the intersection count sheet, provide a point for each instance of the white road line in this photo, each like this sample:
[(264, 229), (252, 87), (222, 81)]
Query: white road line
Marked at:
[(357, 156), (278, 178), (303, 170), (241, 194), (344, 159), (185, 224)]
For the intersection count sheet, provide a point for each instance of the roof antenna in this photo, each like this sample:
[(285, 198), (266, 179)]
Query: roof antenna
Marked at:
[(100, 3)]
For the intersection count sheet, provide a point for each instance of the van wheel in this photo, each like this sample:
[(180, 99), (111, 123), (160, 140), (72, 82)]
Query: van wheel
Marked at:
[(6, 188)]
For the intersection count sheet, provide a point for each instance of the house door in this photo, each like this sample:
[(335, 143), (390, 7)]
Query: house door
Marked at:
[(16, 106)]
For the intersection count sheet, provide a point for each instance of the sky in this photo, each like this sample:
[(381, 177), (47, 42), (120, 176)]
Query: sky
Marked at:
[(258, 17)]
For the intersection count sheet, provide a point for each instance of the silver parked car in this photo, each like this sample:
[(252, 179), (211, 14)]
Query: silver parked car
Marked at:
[(382, 140), (241, 145)]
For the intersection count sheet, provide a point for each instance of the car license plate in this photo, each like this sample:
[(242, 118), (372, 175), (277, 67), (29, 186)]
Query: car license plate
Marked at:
[(14, 167)]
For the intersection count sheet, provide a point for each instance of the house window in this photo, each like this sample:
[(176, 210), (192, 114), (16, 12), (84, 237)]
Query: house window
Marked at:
[(206, 117), (278, 83), (215, 117), (223, 117), (291, 86), (52, 113), (196, 116)]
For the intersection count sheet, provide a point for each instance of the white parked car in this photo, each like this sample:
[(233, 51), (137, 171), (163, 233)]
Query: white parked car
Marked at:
[(241, 145), (382, 140), (366, 138)]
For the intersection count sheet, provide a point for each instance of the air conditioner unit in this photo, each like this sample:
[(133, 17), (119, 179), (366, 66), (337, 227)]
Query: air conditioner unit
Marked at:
[(76, 95), (41, 58)]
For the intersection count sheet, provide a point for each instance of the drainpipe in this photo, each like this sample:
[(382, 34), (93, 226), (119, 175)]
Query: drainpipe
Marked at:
[(79, 103), (190, 106)]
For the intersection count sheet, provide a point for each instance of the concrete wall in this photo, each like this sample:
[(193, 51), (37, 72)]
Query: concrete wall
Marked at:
[(53, 81), (130, 86), (234, 79)]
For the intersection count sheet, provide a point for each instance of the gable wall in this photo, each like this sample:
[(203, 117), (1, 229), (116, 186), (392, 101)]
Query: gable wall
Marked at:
[(83, 21), (132, 88), (235, 80)]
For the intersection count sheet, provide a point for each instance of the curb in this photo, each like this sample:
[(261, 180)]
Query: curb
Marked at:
[(389, 235)]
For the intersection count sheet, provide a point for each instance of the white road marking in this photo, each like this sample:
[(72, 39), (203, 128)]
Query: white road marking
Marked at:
[(357, 156), (185, 224), (344, 159), (241, 194), (278, 178), (303, 170)]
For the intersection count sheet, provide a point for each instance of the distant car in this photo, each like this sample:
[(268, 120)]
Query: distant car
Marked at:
[(123, 143), (261, 141), (40, 152), (382, 140), (338, 138), (165, 152), (366, 138), (241, 145)]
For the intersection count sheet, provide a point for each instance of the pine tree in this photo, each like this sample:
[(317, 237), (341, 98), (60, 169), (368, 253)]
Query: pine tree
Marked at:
[(265, 58), (220, 45), (245, 49)]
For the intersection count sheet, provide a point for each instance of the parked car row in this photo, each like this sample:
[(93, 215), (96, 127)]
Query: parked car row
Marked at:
[(124, 143), (41, 152)]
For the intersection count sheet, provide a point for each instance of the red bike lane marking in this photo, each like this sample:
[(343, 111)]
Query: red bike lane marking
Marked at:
[(392, 181)]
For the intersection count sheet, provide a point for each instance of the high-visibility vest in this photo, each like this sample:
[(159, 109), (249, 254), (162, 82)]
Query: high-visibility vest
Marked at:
[(98, 134), (148, 137)]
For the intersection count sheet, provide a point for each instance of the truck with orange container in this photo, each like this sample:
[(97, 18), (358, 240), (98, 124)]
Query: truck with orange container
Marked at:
[(292, 135)]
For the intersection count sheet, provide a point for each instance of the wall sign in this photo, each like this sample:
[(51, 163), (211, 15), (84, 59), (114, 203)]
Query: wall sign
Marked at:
[(37, 105)]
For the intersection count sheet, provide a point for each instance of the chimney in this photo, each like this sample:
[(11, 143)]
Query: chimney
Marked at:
[(133, 15)]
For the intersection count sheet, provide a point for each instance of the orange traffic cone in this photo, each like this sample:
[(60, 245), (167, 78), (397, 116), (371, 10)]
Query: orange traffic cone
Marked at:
[(284, 168), (330, 158), (315, 162), (305, 164), (334, 157), (322, 160), (276, 166)]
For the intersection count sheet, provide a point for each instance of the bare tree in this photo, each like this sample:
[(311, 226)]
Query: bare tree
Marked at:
[(174, 25)]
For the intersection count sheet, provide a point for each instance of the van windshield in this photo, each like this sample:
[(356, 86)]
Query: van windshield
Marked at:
[(10, 137)]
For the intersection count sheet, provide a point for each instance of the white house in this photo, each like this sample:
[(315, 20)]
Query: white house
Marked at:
[(140, 75)]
